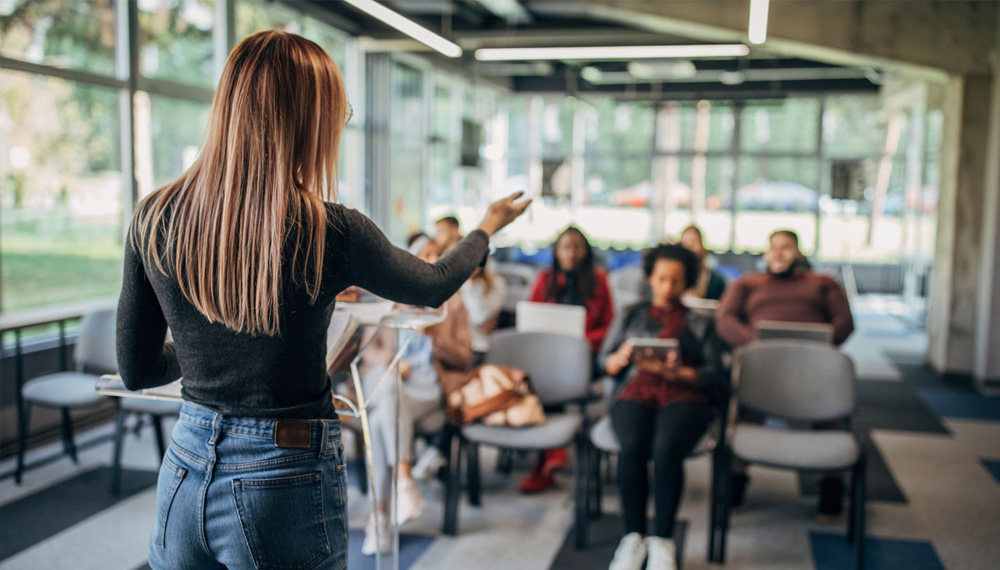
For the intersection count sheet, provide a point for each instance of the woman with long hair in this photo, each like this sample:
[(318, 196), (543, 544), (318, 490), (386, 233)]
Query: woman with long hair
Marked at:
[(708, 284), (573, 279), (242, 257)]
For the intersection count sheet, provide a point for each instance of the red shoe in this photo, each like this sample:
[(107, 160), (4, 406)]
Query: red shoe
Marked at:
[(538, 481), (555, 459)]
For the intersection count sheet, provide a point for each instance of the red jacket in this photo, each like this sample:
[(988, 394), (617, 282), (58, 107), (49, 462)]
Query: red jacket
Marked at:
[(600, 308)]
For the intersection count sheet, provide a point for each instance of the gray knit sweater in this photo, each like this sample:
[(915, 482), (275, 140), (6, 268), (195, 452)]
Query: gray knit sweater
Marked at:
[(281, 376)]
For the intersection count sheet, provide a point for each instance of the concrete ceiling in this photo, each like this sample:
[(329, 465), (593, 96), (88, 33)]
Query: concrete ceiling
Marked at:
[(813, 45)]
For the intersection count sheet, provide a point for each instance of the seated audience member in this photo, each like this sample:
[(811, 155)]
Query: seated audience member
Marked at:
[(436, 361), (664, 408), (709, 284), (573, 279), (483, 295), (788, 291), (447, 233)]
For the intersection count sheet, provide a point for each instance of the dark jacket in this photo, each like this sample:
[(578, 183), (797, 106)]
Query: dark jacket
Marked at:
[(700, 346)]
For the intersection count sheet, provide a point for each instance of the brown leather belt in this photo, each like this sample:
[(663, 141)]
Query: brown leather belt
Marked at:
[(293, 433)]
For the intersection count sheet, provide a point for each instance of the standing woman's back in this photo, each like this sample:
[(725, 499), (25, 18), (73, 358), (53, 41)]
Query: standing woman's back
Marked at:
[(242, 257)]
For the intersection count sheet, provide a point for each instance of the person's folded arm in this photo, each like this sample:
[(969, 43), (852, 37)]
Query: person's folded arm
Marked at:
[(729, 317), (144, 360), (392, 273), (840, 312)]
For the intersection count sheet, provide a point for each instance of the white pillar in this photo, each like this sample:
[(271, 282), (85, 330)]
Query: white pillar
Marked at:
[(958, 277), (986, 365)]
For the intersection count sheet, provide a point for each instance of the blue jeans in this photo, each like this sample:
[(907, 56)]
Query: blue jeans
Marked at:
[(228, 498)]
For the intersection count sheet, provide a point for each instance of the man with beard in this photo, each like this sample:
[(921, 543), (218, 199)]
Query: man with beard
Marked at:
[(789, 291)]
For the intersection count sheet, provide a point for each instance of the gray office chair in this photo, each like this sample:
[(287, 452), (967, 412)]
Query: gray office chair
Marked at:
[(519, 278), (605, 442), (516, 274), (629, 282), (71, 390), (803, 382), (156, 410), (559, 370)]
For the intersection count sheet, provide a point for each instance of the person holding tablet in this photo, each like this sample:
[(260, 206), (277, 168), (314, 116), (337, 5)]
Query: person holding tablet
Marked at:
[(666, 404), (243, 257)]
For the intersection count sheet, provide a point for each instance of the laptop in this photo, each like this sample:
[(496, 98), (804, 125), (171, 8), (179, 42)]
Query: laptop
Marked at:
[(705, 307), (567, 320), (817, 332)]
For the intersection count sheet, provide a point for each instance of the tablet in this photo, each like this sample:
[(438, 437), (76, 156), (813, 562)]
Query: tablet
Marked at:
[(654, 348)]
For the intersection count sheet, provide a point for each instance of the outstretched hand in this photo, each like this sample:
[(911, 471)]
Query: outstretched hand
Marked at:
[(503, 212)]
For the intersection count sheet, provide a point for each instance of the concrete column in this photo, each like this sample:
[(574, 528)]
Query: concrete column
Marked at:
[(986, 365), (967, 159)]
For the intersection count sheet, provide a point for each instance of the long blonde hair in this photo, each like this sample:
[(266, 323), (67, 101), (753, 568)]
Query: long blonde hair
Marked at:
[(267, 165)]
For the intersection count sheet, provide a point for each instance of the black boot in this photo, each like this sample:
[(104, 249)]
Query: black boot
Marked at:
[(831, 498), (738, 489)]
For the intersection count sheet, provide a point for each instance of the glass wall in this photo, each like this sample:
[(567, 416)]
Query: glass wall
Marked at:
[(66, 107), (466, 144), (632, 173), (62, 190)]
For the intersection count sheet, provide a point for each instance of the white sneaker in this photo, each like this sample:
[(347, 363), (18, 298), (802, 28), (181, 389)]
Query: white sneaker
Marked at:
[(662, 554), (381, 544), (428, 464), (409, 504), (630, 554)]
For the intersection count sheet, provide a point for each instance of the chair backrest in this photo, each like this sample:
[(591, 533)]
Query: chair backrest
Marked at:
[(95, 349), (516, 274), (796, 379), (558, 366), (516, 294), (630, 279)]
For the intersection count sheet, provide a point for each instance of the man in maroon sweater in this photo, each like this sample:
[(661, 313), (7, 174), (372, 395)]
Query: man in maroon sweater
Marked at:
[(788, 291)]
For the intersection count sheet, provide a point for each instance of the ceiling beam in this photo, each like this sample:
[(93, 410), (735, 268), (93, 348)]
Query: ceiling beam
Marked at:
[(925, 38)]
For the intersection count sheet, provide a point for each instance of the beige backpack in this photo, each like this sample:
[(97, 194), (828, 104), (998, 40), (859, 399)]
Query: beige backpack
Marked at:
[(497, 395)]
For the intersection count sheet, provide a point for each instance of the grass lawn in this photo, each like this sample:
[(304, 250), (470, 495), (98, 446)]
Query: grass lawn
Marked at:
[(45, 268)]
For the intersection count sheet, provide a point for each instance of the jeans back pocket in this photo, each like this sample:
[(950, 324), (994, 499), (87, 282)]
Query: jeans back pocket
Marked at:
[(168, 481), (283, 521)]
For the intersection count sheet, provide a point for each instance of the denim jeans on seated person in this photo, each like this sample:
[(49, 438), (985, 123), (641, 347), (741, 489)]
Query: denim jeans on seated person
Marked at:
[(228, 497)]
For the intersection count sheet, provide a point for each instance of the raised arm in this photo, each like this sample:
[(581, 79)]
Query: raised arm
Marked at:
[(395, 274), (144, 361), (392, 273)]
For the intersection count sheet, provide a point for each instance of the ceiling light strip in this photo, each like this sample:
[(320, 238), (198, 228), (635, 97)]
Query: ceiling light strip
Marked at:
[(408, 27), (610, 53), (757, 31)]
